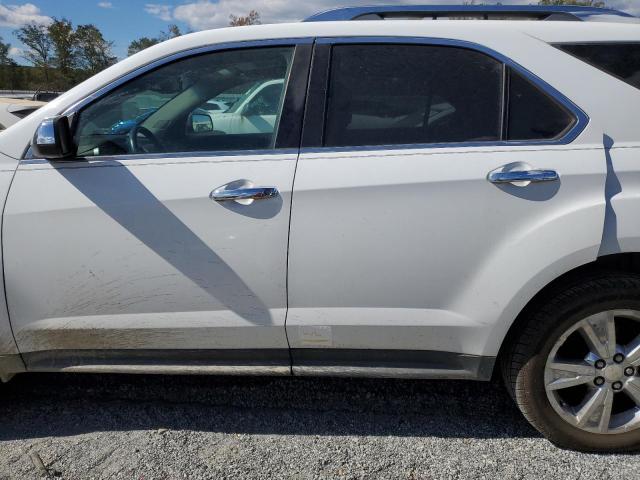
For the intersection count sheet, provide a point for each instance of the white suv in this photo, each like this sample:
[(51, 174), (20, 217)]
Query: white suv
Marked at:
[(431, 200)]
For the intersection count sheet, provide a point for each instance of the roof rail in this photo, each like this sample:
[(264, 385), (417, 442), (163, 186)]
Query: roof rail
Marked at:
[(531, 12)]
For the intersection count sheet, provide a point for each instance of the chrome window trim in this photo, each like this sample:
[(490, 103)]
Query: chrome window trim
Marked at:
[(74, 108), (580, 117), (212, 155)]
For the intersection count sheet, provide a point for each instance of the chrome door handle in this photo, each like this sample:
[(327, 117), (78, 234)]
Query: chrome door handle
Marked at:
[(257, 193), (523, 176)]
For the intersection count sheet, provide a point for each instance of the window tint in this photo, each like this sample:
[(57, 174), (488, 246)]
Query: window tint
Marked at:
[(621, 60), (532, 114), (417, 94), (189, 106), (404, 94)]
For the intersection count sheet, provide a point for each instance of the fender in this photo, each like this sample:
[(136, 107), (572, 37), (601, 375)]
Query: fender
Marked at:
[(620, 233), (10, 360)]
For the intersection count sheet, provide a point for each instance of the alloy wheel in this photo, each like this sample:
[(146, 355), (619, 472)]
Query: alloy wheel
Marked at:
[(592, 374)]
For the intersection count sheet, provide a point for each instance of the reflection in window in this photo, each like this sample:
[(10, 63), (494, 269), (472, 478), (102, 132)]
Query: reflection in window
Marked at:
[(196, 104)]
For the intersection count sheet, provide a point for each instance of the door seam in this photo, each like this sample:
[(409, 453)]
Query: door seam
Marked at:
[(4, 276), (293, 182)]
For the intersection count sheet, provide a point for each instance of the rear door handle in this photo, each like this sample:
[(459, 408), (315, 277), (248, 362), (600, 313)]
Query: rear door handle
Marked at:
[(534, 176), (253, 193)]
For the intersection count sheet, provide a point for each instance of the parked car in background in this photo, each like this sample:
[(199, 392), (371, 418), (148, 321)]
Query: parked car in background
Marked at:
[(215, 106), (255, 112), (392, 197), (13, 110), (45, 96)]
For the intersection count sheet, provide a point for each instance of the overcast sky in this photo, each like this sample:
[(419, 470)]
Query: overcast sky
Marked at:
[(125, 20)]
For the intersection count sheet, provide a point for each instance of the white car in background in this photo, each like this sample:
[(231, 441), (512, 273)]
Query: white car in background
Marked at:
[(397, 198), (215, 106), (254, 112), (12, 110)]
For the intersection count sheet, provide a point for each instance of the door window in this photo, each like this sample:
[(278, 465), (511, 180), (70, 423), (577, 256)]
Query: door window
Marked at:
[(188, 105), (403, 94), (424, 94)]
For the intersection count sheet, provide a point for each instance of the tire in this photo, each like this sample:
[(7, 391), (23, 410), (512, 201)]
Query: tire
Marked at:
[(525, 361)]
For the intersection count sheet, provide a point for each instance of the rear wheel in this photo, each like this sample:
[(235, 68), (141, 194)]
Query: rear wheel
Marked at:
[(574, 370)]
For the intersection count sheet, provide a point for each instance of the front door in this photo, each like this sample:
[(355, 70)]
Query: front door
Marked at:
[(165, 241)]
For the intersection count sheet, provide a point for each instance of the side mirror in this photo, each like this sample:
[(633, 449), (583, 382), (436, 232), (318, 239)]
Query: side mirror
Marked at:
[(201, 123), (52, 139)]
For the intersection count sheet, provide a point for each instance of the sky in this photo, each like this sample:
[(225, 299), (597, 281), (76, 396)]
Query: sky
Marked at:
[(124, 20)]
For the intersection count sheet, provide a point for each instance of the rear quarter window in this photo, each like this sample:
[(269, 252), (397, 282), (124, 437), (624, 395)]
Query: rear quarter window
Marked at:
[(622, 60), (532, 114)]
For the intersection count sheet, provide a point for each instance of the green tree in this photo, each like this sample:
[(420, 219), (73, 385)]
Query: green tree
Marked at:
[(10, 73), (581, 3), (94, 53), (63, 55), (252, 18), (62, 38), (173, 31), (39, 48), (4, 53), (140, 44)]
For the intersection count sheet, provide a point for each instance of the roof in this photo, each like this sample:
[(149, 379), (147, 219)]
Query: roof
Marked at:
[(486, 12)]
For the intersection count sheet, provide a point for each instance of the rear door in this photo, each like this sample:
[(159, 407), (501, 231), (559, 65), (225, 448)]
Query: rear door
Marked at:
[(165, 241), (406, 245)]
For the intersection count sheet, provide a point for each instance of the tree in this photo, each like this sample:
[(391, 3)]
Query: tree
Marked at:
[(173, 31), (5, 59), (253, 18), (93, 51), (36, 38), (62, 38), (10, 73), (63, 55), (581, 3), (140, 44)]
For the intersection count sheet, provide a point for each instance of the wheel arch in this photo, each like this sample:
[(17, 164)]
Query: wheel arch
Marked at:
[(628, 262)]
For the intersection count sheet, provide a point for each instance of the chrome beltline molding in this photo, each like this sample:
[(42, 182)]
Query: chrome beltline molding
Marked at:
[(114, 160)]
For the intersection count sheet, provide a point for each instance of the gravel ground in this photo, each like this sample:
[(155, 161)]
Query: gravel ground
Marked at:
[(160, 427)]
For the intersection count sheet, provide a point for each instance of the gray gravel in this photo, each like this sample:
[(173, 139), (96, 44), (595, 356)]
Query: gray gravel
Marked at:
[(160, 427)]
